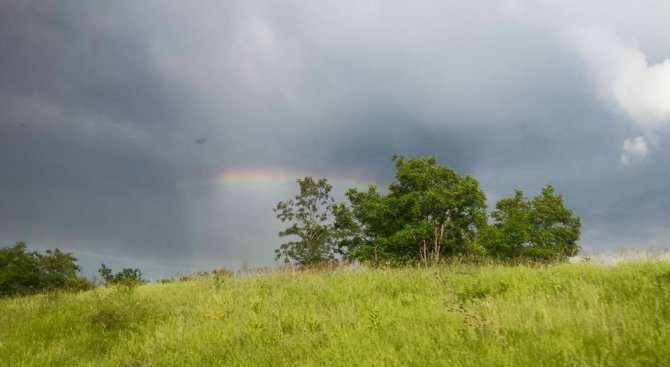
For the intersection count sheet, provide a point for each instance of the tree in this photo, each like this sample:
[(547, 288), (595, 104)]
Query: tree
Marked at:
[(106, 273), (60, 270), (23, 272), (556, 229), (309, 212), (541, 228), (513, 227), (127, 276), (430, 211), (19, 273), (442, 208)]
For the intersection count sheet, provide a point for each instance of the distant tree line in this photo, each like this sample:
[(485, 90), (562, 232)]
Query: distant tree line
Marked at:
[(24, 272), (428, 213)]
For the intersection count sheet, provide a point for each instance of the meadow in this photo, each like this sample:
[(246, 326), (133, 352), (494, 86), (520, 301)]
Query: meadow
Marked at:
[(581, 314)]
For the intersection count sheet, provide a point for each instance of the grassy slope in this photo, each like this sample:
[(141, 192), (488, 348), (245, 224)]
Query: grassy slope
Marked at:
[(463, 315)]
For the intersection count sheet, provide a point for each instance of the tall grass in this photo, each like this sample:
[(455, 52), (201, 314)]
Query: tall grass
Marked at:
[(462, 315)]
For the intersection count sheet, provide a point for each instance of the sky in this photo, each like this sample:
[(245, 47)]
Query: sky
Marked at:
[(160, 134)]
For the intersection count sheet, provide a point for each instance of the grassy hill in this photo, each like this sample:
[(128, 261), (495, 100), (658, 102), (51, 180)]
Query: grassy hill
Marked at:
[(567, 314)]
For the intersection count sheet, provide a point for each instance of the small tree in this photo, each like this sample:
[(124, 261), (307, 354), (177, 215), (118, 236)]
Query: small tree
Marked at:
[(60, 270), (556, 229), (106, 273), (19, 272), (541, 228), (126, 276), (309, 212), (513, 227)]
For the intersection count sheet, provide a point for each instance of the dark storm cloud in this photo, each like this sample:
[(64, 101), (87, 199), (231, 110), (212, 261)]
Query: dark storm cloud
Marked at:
[(115, 118), (85, 185)]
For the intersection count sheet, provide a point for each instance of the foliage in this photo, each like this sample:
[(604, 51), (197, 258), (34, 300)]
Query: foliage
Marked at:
[(23, 272), (430, 211), (309, 212), (457, 315), (127, 276), (541, 228)]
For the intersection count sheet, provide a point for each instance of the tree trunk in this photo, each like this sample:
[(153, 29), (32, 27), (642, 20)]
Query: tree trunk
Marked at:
[(437, 242), (424, 250)]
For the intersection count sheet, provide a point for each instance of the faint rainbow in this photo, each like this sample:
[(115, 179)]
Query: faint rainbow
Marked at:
[(283, 177)]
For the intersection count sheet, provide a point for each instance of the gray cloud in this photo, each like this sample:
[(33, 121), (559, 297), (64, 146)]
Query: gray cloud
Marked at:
[(625, 79), (117, 118)]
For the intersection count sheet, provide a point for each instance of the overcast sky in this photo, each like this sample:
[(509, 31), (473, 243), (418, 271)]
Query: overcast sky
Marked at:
[(149, 133)]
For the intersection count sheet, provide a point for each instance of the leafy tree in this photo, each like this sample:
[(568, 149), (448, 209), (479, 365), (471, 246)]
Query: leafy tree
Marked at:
[(60, 270), (19, 272), (23, 272), (556, 229), (513, 226), (309, 212), (430, 211), (106, 273), (126, 276), (363, 227), (541, 228)]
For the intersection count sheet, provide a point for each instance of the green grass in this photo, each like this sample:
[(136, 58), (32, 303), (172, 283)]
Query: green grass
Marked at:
[(568, 314)]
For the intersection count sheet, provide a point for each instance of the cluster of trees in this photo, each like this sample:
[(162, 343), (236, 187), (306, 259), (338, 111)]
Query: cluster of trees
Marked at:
[(429, 212), (23, 272)]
